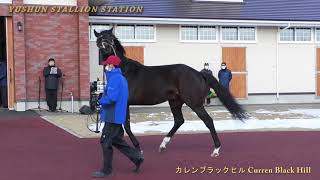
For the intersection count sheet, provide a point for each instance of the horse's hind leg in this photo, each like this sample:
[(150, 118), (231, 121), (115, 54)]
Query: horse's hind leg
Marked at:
[(175, 106), (127, 127), (205, 117)]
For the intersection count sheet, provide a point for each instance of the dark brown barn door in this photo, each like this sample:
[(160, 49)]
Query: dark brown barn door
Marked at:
[(235, 57), (135, 53)]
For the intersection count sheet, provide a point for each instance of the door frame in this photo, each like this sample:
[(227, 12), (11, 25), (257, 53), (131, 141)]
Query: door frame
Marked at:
[(10, 62)]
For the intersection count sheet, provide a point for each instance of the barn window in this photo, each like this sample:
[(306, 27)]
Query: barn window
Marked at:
[(303, 34), (296, 35), (287, 35), (198, 33), (127, 32), (144, 32), (247, 33), (229, 33), (98, 28), (241, 34), (135, 33), (318, 34)]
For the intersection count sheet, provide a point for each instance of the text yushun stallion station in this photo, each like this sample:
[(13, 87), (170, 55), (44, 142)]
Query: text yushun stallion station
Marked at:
[(80, 9), (150, 85)]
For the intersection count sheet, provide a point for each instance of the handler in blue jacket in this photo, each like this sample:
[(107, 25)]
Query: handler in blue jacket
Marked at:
[(225, 76), (114, 108)]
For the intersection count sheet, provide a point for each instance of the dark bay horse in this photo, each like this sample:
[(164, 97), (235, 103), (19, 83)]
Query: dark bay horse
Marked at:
[(179, 84)]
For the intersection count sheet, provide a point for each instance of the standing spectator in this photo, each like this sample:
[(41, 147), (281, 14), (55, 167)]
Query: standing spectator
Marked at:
[(3, 84), (225, 76), (52, 75), (113, 112), (207, 71)]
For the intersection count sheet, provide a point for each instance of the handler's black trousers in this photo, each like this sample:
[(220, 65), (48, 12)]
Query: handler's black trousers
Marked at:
[(112, 135), (51, 97)]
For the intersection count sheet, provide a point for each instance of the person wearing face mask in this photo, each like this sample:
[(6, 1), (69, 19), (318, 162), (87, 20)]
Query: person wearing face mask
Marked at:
[(206, 69), (113, 105), (52, 75), (211, 94), (225, 76)]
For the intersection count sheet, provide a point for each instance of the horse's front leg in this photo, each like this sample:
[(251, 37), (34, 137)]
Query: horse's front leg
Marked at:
[(127, 128)]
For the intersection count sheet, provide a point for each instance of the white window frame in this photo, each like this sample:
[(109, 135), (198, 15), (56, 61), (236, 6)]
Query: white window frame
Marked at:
[(239, 41), (198, 41), (312, 39), (128, 40), (140, 40)]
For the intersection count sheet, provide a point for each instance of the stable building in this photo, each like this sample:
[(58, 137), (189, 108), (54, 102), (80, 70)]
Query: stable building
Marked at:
[(271, 46)]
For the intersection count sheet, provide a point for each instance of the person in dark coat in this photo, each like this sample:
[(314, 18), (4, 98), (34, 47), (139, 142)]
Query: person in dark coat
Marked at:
[(207, 71), (52, 75), (114, 103), (225, 76), (3, 84)]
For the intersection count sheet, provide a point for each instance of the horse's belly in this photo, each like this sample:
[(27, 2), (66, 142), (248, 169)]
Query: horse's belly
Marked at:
[(147, 98)]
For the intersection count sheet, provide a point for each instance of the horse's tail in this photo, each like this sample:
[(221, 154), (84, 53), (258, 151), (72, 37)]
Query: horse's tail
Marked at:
[(225, 97)]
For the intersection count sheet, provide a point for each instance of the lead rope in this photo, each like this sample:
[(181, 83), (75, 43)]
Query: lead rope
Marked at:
[(114, 51)]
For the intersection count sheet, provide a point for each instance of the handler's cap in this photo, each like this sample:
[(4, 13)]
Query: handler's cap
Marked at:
[(115, 60)]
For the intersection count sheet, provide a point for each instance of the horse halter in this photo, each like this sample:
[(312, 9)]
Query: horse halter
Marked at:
[(105, 41)]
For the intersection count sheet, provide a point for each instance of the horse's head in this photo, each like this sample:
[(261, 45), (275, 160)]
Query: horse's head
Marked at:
[(106, 42)]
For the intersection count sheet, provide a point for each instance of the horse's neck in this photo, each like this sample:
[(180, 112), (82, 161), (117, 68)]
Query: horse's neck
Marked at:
[(130, 67)]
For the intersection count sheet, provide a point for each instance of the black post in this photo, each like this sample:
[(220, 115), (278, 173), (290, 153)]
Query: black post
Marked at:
[(39, 93), (97, 123), (61, 93)]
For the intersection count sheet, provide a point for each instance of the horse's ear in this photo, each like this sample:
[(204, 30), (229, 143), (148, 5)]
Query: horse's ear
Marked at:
[(111, 30), (96, 33)]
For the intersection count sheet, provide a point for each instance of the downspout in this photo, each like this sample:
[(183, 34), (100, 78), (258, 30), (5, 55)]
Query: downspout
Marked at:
[(277, 58)]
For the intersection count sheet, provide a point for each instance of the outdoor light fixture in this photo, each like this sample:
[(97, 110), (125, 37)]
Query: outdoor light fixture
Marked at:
[(19, 26)]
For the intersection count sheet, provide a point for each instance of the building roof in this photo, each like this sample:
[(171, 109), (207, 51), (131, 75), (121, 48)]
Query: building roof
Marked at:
[(276, 10)]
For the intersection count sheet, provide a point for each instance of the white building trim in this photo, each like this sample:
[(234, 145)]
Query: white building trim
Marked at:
[(213, 22), (51, 2), (225, 1)]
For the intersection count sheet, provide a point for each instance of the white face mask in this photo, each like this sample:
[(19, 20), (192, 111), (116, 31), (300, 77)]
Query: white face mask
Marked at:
[(206, 67), (108, 68), (223, 67)]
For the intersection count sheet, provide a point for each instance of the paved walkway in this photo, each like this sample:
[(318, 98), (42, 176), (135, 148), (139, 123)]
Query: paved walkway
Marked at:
[(77, 124)]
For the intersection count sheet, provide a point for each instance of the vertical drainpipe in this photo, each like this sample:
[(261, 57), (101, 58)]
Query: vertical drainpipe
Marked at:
[(277, 59)]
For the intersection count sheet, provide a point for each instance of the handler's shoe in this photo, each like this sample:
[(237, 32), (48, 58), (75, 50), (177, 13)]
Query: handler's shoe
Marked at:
[(100, 174), (138, 165)]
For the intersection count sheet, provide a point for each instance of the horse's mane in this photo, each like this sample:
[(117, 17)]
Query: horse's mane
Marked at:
[(122, 52), (120, 49)]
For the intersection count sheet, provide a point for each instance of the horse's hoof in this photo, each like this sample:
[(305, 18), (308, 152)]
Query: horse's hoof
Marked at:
[(162, 149), (215, 153)]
